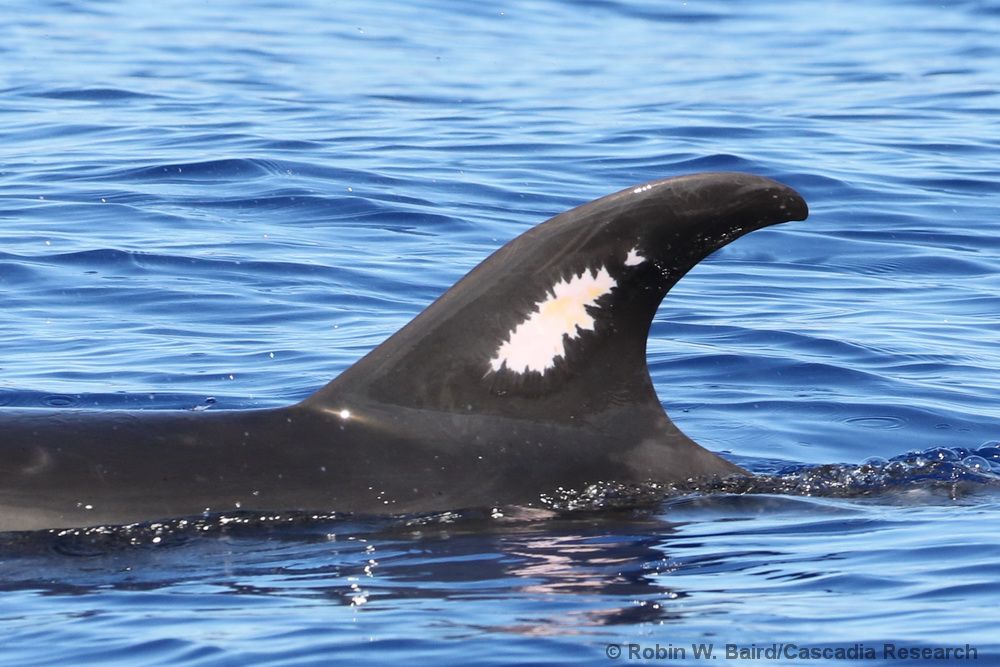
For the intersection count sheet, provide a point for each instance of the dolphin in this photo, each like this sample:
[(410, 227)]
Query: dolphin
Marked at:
[(527, 376)]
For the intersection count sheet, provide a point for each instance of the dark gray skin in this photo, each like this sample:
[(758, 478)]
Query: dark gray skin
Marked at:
[(425, 422)]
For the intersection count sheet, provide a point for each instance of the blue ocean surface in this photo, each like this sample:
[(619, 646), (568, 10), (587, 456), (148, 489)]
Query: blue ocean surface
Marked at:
[(224, 204)]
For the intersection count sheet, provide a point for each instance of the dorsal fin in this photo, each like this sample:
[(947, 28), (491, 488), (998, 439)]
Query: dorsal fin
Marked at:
[(553, 326)]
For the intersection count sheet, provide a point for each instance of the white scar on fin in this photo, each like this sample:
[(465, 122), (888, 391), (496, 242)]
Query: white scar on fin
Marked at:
[(634, 258), (536, 343)]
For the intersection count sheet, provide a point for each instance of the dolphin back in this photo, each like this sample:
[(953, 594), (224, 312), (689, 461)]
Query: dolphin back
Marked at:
[(529, 375)]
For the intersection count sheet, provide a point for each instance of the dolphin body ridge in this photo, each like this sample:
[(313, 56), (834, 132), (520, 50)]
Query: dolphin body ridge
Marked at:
[(528, 375)]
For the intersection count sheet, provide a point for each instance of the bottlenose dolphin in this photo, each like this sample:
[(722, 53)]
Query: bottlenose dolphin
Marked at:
[(527, 376)]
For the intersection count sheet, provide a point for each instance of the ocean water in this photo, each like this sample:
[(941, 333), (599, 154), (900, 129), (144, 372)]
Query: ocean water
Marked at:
[(228, 203)]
